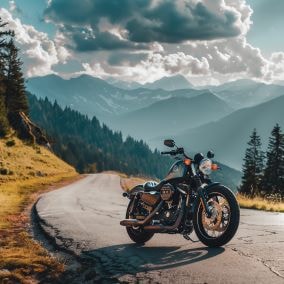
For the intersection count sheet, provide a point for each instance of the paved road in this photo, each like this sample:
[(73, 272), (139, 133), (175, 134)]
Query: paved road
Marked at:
[(85, 215)]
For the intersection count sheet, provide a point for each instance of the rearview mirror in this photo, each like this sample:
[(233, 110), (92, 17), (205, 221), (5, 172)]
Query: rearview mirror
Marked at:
[(169, 143), (210, 154)]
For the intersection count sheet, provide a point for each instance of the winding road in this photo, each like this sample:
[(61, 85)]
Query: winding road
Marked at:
[(84, 218)]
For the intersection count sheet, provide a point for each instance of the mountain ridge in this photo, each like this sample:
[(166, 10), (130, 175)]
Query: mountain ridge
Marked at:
[(236, 128), (161, 118)]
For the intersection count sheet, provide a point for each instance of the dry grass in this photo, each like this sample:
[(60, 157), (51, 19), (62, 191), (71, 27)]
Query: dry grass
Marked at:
[(260, 203), (128, 183), (26, 171)]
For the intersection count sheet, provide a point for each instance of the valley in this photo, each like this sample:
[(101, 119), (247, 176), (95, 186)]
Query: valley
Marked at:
[(217, 117)]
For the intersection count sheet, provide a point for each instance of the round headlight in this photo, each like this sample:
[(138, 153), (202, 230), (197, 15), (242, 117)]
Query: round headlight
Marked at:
[(205, 166)]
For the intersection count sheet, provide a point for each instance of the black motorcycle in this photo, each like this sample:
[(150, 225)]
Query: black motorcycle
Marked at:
[(184, 201)]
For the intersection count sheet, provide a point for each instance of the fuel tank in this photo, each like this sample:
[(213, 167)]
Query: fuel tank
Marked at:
[(177, 170)]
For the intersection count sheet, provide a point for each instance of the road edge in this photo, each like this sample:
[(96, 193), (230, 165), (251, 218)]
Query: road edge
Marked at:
[(79, 268)]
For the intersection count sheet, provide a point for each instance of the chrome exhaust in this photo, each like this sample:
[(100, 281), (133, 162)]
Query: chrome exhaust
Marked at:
[(135, 222), (161, 228)]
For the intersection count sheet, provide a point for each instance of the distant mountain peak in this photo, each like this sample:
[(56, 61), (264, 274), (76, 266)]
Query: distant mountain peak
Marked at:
[(170, 83)]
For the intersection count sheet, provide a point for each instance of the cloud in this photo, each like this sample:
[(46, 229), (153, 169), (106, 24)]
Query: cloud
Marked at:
[(144, 40), (38, 52), (276, 66), (85, 40), (201, 62), (126, 59), (134, 24)]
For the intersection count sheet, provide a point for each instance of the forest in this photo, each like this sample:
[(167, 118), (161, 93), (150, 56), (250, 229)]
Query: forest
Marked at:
[(92, 147), (263, 172)]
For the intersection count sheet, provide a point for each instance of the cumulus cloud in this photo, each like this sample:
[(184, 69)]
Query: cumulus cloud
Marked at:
[(38, 51), (135, 23), (144, 40), (276, 66)]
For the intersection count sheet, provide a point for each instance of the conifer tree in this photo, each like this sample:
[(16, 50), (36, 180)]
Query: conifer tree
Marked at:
[(253, 166), (16, 99), (4, 124), (273, 180)]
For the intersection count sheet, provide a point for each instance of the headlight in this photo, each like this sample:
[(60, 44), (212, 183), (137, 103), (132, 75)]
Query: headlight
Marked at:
[(205, 166)]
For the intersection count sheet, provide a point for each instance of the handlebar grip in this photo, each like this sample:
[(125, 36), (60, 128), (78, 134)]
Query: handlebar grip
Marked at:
[(165, 153)]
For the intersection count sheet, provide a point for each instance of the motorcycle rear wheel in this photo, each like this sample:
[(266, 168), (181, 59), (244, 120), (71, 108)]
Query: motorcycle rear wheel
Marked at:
[(137, 234), (219, 230)]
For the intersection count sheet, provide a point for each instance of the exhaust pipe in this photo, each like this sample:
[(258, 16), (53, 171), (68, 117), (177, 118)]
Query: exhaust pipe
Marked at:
[(161, 228), (135, 222)]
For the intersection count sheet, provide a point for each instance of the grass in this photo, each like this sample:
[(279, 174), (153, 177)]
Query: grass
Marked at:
[(260, 203), (26, 172), (128, 183)]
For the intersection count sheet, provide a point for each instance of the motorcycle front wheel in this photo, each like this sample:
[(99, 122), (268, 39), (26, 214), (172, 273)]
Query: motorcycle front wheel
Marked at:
[(222, 225), (137, 234)]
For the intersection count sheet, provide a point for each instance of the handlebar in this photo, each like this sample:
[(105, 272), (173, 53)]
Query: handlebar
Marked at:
[(173, 152), (178, 151)]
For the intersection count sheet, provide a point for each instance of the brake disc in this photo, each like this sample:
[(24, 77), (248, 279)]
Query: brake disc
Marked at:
[(214, 222)]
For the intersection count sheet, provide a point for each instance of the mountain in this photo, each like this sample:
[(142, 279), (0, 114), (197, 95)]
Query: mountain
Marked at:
[(92, 147), (176, 82), (93, 96), (279, 82), (246, 93), (228, 136), (124, 84), (85, 93), (171, 116)]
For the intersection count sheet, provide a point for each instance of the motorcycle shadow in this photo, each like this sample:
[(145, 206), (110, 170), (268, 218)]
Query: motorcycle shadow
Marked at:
[(119, 260)]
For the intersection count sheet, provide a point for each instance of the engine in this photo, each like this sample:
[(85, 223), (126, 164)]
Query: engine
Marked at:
[(148, 201), (169, 213), (168, 216), (167, 192)]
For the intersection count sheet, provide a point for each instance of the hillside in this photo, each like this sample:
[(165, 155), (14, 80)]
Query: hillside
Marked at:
[(171, 116), (21, 162), (92, 147), (246, 93), (228, 136)]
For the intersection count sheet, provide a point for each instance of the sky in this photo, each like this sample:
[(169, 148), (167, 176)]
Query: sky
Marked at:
[(207, 41)]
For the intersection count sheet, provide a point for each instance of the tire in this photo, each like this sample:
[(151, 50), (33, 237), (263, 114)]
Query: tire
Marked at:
[(233, 224), (138, 235)]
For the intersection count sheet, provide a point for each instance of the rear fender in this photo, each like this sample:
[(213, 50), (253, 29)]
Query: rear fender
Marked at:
[(132, 192)]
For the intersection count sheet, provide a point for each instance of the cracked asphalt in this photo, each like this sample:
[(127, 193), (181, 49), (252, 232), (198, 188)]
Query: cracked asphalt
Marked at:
[(84, 218)]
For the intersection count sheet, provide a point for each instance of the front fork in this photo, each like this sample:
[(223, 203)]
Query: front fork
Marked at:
[(201, 192)]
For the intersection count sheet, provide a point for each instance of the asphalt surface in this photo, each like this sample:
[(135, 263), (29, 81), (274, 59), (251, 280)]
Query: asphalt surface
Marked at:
[(84, 217)]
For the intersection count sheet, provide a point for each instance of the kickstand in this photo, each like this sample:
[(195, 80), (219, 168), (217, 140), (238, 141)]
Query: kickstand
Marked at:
[(188, 238)]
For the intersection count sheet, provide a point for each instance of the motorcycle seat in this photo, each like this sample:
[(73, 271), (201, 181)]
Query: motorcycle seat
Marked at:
[(150, 186)]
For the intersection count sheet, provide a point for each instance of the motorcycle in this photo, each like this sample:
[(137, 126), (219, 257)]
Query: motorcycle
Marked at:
[(185, 200)]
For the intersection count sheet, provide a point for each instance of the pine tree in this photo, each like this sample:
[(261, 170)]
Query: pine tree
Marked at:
[(16, 99), (253, 167), (273, 180), (4, 124)]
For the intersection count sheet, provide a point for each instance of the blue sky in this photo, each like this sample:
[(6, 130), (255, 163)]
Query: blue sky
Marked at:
[(31, 13), (103, 39), (268, 22)]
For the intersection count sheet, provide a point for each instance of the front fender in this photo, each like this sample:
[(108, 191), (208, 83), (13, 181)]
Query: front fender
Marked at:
[(211, 185), (202, 193)]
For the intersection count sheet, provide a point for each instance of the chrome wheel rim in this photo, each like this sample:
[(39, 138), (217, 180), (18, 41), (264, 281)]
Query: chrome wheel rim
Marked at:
[(216, 225)]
